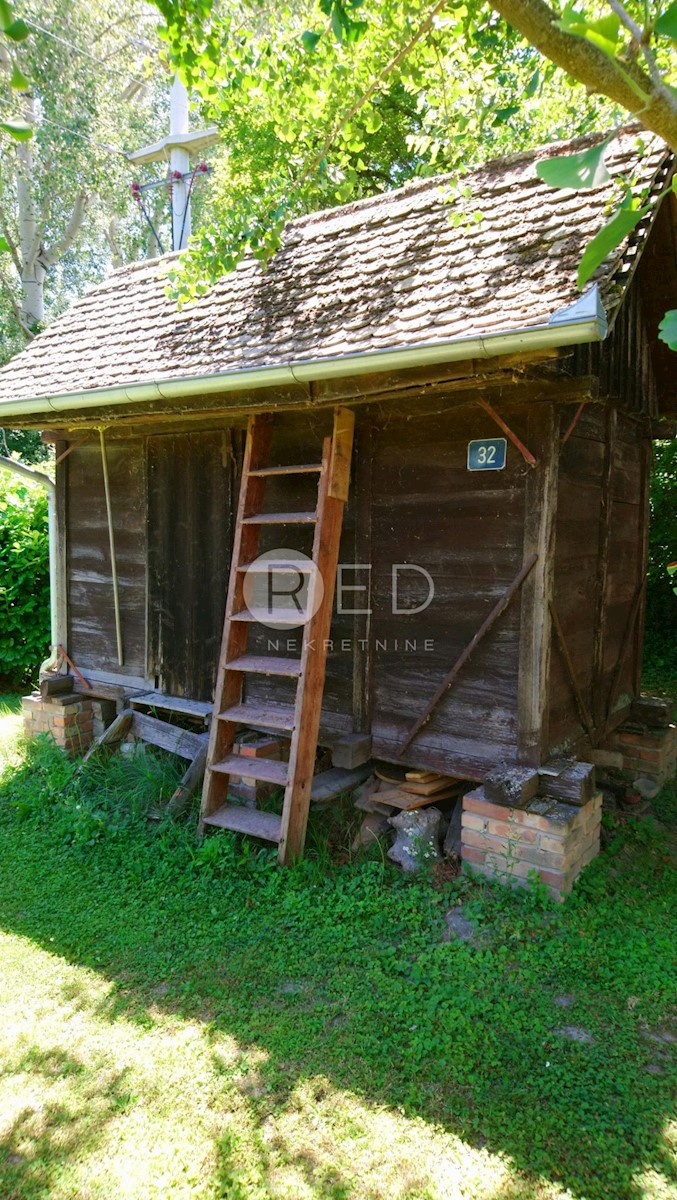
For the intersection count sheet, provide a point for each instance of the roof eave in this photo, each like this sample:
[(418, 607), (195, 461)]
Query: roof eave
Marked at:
[(582, 322)]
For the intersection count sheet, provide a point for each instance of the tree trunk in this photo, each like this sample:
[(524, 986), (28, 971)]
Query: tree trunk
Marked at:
[(32, 269)]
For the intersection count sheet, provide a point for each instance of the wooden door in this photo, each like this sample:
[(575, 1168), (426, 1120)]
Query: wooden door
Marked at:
[(191, 485)]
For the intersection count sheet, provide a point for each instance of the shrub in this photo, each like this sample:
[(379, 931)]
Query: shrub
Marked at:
[(24, 580)]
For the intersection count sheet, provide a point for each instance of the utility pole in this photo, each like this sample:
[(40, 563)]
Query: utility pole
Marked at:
[(176, 149)]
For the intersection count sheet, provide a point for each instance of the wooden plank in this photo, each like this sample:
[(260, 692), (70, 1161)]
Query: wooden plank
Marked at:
[(510, 785), (167, 737), (245, 820), (270, 715), (262, 665), (281, 518), (268, 770), (540, 506), (576, 784), (398, 798), (488, 624), (116, 732), (177, 704), (363, 648), (626, 643), (301, 469), (604, 537), (189, 785), (341, 453), (643, 517)]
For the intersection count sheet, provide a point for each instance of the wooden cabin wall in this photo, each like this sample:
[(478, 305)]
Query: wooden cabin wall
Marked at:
[(466, 529), (91, 614), (600, 562), (624, 362)]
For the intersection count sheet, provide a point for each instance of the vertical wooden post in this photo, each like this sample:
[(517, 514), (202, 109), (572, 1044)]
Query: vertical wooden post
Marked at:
[(646, 452), (61, 597), (362, 650), (598, 697), (533, 686)]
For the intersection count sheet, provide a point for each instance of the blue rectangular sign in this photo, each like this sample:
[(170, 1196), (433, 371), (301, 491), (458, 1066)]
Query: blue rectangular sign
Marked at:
[(487, 454)]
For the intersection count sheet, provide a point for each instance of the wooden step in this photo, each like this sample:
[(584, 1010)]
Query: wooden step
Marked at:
[(260, 665), (246, 820), (287, 617), (288, 518), (270, 716), (301, 469), (262, 567), (268, 770)]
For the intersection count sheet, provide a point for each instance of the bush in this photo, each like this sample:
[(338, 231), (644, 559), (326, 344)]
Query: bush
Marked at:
[(24, 580)]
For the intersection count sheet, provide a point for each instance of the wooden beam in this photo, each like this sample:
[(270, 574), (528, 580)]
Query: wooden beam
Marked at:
[(362, 642), (603, 543), (115, 733), (644, 519), (498, 609), (625, 646), (540, 509)]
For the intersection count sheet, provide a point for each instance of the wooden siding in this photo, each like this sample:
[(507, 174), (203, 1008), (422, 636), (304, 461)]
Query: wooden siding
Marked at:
[(91, 619), (191, 483), (466, 530), (599, 565)]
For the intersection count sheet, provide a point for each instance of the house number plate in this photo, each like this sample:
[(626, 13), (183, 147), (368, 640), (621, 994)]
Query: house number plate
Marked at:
[(487, 454)]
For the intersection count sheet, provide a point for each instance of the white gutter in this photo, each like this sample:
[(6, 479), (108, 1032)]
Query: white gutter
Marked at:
[(57, 621), (583, 321)]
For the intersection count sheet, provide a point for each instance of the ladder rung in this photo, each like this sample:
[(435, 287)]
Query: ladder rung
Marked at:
[(285, 617), (271, 716), (247, 820), (268, 770), (290, 518), (302, 469), (260, 665), (262, 567)]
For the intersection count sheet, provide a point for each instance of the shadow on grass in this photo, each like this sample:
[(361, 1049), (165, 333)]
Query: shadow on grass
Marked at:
[(40, 1139), (540, 1042)]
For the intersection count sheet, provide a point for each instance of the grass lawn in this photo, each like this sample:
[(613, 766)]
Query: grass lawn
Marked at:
[(181, 1022)]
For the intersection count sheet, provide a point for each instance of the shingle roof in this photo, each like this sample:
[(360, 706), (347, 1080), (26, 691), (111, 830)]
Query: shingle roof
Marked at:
[(381, 273)]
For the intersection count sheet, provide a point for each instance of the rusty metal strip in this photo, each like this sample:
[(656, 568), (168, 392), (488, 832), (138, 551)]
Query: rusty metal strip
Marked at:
[(85, 682), (73, 446), (484, 628), (586, 719), (574, 423), (526, 454)]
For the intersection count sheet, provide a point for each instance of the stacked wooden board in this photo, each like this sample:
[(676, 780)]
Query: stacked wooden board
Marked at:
[(405, 789)]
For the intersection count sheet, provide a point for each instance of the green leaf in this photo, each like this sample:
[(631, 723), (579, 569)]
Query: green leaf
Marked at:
[(6, 15), (609, 237), (667, 330), (18, 79), (373, 121), (578, 171), (310, 39), (603, 32), (533, 83), (19, 130), (4, 245), (667, 22), (18, 31)]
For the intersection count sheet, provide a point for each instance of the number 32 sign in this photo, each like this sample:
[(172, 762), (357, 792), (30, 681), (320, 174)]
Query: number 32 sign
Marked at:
[(487, 454)]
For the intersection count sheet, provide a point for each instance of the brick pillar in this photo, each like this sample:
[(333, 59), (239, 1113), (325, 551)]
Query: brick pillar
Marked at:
[(67, 718), (552, 838), (645, 751)]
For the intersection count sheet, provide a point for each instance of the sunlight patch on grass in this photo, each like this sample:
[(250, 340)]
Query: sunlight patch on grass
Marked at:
[(153, 1107)]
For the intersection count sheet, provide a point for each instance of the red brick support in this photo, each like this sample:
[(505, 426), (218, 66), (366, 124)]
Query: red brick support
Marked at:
[(552, 838), (69, 719), (645, 751)]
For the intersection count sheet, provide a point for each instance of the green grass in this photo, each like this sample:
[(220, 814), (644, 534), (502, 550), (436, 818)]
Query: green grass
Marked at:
[(182, 1021)]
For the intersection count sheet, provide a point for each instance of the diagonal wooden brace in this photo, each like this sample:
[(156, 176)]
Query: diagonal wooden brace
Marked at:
[(526, 454), (484, 628)]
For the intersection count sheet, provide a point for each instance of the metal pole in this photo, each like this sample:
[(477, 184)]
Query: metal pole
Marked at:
[(111, 539), (179, 161)]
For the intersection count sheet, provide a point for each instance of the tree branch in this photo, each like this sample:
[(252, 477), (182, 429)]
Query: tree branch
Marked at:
[(591, 66), (10, 240), (638, 35), (57, 251), (16, 308)]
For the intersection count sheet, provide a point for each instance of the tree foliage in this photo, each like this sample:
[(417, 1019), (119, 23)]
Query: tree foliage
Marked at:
[(24, 579)]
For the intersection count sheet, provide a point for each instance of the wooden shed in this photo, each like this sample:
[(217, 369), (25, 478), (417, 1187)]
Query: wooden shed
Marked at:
[(489, 594)]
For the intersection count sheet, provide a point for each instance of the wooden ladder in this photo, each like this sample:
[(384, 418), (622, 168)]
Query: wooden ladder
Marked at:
[(301, 720)]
